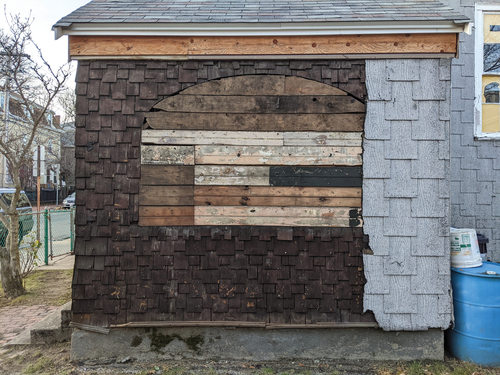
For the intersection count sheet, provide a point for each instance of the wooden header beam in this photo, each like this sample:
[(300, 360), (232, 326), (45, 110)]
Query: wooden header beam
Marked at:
[(189, 47)]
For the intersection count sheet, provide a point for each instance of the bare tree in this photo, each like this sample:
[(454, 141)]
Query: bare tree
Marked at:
[(35, 85)]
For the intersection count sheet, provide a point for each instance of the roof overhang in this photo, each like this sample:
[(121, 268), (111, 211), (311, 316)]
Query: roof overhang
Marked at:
[(259, 29)]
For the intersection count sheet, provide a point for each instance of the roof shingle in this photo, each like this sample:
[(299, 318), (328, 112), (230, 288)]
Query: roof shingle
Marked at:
[(225, 11)]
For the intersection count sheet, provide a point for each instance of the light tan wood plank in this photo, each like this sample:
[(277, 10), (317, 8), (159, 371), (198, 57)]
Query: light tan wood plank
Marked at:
[(192, 137), (163, 175), (352, 122), (166, 195), (80, 46), (161, 211), (344, 139), (250, 155), (231, 175), (277, 191), (273, 216), (285, 201), (166, 221), (167, 155), (261, 104)]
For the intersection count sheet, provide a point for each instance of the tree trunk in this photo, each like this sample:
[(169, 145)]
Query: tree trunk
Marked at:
[(12, 282)]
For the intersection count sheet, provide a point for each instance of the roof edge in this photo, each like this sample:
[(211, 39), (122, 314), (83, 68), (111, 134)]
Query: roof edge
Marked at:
[(258, 29)]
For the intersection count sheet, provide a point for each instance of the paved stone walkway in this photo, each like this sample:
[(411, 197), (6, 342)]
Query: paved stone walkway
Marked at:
[(14, 320)]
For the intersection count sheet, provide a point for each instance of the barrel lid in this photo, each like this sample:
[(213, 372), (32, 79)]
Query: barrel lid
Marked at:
[(488, 269)]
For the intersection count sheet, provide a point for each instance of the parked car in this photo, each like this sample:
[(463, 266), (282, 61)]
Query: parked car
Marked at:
[(69, 201), (26, 221)]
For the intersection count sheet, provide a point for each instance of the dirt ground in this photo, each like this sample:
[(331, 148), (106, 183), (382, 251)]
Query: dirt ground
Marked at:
[(53, 288)]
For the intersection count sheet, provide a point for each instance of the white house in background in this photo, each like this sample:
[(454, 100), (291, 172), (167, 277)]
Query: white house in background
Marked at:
[(16, 121)]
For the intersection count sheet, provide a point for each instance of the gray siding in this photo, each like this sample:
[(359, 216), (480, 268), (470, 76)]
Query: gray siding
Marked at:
[(475, 165), (406, 187)]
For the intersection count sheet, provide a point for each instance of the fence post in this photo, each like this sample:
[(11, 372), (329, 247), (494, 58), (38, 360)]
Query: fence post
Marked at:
[(72, 229), (46, 241)]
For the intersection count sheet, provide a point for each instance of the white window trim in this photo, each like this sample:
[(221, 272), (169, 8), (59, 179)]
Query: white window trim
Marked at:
[(481, 9)]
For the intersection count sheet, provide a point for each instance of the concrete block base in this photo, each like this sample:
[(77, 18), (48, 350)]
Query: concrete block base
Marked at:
[(255, 344)]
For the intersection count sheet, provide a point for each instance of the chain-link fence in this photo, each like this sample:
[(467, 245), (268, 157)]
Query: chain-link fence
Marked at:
[(44, 235)]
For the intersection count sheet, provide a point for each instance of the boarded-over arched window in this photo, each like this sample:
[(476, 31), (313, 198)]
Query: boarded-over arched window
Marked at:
[(253, 150)]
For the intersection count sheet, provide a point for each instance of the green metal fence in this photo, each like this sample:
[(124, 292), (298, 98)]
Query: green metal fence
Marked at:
[(52, 234)]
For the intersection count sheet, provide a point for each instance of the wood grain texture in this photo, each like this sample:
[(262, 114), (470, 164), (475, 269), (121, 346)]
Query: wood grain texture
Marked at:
[(235, 138), (209, 200), (351, 122), (80, 46), (315, 176), (261, 104), (275, 155), (344, 139), (155, 211), (165, 221), (190, 137), (273, 216), (164, 175), (166, 196), (167, 155), (275, 191), (262, 85), (231, 175)]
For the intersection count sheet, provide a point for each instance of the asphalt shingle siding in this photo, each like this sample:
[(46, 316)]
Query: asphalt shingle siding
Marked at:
[(161, 11), (475, 165), (406, 193)]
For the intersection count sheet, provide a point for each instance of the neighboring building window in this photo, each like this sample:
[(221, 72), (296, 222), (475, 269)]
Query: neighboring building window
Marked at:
[(487, 102)]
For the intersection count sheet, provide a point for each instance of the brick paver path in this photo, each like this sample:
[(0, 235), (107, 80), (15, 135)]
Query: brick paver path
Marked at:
[(14, 320)]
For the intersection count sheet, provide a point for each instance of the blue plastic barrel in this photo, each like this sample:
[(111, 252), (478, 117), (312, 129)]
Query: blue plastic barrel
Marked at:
[(476, 302)]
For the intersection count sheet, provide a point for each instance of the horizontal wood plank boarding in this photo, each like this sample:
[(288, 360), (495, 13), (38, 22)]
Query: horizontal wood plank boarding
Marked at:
[(166, 221), (275, 216), (231, 175), (165, 175), (350, 122), (278, 191), (275, 155), (209, 200), (167, 155), (262, 85), (190, 137), (80, 46), (261, 104), (237, 138), (315, 176), (166, 196), (156, 211)]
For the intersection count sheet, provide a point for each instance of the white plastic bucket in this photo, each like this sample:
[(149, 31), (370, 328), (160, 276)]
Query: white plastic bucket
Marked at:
[(464, 248)]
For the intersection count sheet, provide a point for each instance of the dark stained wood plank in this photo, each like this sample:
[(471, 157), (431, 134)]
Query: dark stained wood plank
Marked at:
[(262, 104), (352, 122), (315, 176), (166, 196), (164, 175)]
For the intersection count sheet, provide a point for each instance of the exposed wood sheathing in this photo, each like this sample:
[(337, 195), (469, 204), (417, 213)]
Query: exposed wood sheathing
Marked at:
[(180, 46), (301, 160)]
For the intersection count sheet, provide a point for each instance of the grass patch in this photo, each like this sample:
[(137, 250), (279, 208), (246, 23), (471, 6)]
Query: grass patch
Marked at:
[(43, 288), (42, 364), (447, 367)]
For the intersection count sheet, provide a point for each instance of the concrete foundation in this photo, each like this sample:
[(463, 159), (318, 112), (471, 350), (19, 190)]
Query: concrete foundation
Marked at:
[(257, 344)]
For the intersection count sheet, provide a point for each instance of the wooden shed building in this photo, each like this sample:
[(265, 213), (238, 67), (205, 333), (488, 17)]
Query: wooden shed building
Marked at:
[(262, 179)]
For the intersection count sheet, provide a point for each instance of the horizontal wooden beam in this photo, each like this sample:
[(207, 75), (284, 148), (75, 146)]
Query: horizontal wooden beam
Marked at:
[(184, 46), (319, 325)]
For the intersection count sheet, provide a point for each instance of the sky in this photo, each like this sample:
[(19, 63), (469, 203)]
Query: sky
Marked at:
[(45, 13)]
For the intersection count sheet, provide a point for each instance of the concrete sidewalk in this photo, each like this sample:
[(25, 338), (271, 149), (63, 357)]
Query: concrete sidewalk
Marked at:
[(62, 262)]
